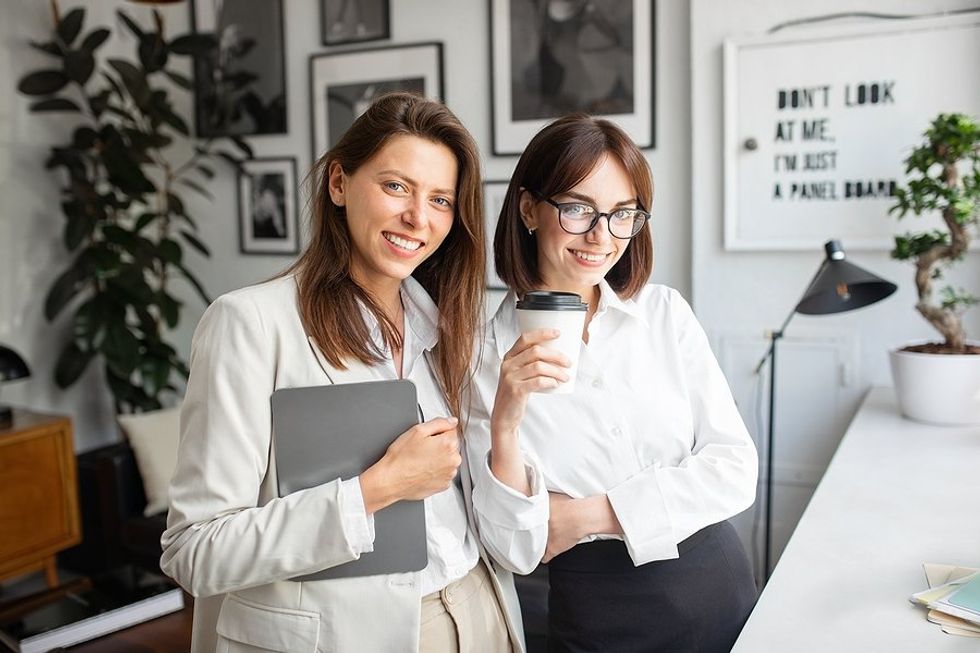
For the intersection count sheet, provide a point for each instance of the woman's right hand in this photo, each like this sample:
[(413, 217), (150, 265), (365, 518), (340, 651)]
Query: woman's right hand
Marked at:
[(530, 365), (421, 462)]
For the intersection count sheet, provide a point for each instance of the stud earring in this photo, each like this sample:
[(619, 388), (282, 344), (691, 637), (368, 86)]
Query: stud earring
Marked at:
[(530, 230)]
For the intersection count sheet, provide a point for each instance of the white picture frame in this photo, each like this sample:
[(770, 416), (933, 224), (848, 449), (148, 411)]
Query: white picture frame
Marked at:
[(494, 192)]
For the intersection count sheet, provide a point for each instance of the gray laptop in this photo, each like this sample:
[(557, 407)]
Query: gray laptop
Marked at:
[(328, 432)]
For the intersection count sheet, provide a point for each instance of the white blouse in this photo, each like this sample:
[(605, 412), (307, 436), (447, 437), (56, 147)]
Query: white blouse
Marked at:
[(651, 424), (451, 545)]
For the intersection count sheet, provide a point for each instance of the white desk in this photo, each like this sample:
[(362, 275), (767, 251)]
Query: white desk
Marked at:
[(896, 494)]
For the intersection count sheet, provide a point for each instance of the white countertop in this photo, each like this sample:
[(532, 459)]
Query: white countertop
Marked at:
[(896, 494)]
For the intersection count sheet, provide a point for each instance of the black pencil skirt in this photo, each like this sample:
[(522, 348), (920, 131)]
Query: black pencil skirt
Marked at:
[(697, 603)]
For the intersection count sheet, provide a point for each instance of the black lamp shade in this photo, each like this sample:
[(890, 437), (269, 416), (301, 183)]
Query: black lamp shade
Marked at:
[(12, 366), (840, 286)]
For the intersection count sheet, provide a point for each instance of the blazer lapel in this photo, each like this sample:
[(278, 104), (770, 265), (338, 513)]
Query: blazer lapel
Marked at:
[(356, 371)]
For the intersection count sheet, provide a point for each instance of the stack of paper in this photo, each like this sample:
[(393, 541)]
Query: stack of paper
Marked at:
[(953, 598)]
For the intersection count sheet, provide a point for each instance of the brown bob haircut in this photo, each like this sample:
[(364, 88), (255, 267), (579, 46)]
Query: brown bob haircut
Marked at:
[(454, 275), (560, 156)]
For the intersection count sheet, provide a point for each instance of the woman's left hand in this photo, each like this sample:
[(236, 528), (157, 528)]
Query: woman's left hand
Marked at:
[(572, 519), (563, 525)]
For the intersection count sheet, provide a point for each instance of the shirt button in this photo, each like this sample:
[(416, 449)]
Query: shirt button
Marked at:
[(450, 598), (596, 383), (617, 431)]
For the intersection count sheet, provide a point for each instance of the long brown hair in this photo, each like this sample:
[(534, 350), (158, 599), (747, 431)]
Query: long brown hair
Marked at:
[(560, 156), (454, 275)]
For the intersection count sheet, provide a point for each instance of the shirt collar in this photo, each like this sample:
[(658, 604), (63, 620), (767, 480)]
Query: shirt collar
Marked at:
[(421, 316), (608, 298)]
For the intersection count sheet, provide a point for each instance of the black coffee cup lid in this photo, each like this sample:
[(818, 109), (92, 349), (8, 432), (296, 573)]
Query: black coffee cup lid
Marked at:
[(551, 300)]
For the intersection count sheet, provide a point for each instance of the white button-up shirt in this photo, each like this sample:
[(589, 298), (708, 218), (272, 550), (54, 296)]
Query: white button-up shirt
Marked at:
[(651, 424), (451, 545)]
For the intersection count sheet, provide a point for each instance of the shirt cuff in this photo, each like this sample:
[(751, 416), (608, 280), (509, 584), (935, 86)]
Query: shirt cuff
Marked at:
[(640, 508), (358, 525), (505, 506)]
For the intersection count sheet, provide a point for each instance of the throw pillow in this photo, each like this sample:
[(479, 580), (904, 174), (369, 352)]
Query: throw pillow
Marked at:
[(153, 437)]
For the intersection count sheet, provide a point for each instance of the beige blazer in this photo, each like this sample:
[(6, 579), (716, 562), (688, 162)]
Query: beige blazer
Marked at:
[(232, 543)]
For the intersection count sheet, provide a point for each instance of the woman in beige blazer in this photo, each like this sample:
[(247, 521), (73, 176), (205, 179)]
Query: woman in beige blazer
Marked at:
[(390, 286)]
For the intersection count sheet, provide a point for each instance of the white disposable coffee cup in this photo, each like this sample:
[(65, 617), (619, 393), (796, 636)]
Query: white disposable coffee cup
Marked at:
[(564, 311)]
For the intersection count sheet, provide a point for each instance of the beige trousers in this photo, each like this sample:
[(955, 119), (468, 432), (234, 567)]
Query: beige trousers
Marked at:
[(465, 617)]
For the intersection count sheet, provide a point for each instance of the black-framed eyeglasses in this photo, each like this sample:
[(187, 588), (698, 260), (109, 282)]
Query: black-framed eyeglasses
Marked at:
[(581, 218)]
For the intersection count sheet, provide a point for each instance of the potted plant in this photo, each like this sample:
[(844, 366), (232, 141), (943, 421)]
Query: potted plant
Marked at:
[(126, 223), (939, 382)]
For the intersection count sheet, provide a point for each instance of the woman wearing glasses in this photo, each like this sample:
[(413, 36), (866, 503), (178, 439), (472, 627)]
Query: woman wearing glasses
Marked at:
[(623, 486)]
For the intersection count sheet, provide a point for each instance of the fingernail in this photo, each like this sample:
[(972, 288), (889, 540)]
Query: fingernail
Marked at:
[(454, 421)]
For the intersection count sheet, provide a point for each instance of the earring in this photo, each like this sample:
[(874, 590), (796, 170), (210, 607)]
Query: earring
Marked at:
[(530, 230)]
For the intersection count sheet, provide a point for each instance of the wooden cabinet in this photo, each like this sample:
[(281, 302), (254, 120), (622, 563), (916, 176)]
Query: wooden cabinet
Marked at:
[(38, 494)]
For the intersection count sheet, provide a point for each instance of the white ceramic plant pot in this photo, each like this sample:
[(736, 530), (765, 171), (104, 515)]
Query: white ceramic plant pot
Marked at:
[(939, 389)]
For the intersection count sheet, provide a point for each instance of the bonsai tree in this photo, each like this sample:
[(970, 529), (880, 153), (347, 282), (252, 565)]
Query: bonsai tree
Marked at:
[(126, 223), (945, 173)]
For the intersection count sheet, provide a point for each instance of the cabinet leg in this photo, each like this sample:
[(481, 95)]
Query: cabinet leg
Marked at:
[(51, 572)]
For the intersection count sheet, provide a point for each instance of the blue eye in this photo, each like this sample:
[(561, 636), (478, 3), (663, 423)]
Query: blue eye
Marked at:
[(445, 202), (394, 185)]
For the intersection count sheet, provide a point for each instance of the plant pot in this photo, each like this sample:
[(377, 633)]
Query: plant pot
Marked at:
[(939, 389)]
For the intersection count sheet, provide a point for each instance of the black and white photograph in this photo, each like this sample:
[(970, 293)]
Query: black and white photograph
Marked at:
[(554, 57), (268, 221), (345, 102), (354, 21), (241, 87), (493, 201), (343, 84)]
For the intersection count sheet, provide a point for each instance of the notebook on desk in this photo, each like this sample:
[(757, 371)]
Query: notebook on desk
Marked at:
[(327, 432)]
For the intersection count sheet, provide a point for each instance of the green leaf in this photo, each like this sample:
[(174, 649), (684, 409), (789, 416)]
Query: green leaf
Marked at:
[(79, 65), (55, 104), (232, 161), (71, 364), (170, 251), (130, 23), (194, 242), (121, 349), (144, 220), (243, 146), (71, 25), (83, 138), (62, 291), (95, 38), (152, 52), (196, 284), (190, 183), (134, 80), (78, 228), (179, 80), (169, 309), (174, 204), (155, 372), (207, 171), (193, 44), (50, 47), (43, 82)]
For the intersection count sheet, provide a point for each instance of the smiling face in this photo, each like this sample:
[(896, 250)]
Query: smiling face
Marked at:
[(400, 206), (578, 262)]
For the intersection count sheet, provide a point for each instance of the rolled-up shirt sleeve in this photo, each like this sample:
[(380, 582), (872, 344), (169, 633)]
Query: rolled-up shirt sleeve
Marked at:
[(358, 525)]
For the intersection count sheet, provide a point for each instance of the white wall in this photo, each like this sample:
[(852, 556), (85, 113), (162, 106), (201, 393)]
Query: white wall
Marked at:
[(739, 295), (31, 254)]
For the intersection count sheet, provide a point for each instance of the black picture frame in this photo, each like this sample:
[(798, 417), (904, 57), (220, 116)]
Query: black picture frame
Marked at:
[(342, 84), (598, 58), (354, 21), (268, 206), (241, 89)]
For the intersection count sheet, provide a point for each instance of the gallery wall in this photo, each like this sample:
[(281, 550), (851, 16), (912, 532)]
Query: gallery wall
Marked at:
[(31, 252)]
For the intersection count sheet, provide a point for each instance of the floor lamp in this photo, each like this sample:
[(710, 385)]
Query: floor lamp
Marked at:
[(838, 286)]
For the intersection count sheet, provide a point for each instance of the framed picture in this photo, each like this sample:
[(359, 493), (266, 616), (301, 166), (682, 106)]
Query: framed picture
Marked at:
[(354, 21), (240, 90), (267, 206), (493, 201), (343, 84), (553, 58)]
